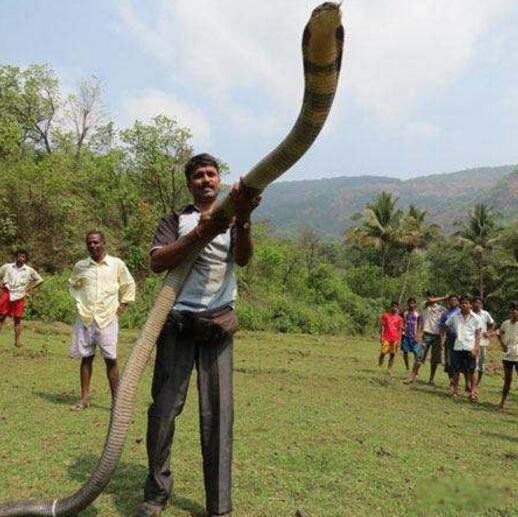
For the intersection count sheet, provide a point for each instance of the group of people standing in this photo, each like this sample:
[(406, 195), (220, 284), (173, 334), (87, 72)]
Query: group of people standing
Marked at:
[(101, 286), (198, 331), (457, 335)]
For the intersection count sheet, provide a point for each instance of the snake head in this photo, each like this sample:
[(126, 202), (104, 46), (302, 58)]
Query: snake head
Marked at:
[(318, 41), (328, 14)]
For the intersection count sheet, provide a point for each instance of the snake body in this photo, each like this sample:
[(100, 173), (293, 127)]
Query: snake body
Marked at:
[(322, 45)]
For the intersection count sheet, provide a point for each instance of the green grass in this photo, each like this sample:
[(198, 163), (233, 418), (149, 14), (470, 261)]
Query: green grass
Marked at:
[(319, 429)]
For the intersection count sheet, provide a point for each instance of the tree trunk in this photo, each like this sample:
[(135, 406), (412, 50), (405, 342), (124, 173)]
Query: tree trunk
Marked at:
[(481, 278), (405, 278), (382, 274)]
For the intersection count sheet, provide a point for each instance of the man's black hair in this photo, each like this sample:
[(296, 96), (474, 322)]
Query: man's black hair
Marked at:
[(429, 294), (513, 305), (22, 251), (464, 298), (477, 297), (453, 296), (412, 299), (95, 232), (197, 161), (394, 302)]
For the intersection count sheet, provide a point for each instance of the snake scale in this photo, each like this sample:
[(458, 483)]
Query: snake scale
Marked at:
[(322, 44)]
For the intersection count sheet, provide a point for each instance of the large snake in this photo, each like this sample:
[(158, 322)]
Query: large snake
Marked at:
[(322, 45)]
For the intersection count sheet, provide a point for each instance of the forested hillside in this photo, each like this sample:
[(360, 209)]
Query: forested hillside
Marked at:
[(354, 243), (329, 205)]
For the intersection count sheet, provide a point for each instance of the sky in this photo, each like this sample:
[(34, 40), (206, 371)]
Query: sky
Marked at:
[(427, 86)]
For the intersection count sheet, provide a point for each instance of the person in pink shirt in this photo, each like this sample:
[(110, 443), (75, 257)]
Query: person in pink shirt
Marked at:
[(391, 329)]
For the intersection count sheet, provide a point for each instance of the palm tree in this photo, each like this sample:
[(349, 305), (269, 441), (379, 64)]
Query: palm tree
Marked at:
[(479, 236), (414, 234), (508, 239), (379, 228)]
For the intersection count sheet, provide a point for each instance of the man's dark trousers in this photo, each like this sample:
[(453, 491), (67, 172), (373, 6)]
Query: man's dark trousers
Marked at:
[(177, 352)]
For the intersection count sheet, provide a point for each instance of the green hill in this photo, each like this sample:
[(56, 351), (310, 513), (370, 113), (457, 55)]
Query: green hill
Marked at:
[(327, 205)]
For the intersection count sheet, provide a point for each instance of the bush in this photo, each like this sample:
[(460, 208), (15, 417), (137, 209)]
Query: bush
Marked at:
[(52, 301), (136, 314)]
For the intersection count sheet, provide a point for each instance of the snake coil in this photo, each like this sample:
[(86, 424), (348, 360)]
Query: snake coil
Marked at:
[(322, 44)]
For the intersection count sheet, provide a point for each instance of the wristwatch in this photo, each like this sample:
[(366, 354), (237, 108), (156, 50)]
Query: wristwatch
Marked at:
[(245, 225)]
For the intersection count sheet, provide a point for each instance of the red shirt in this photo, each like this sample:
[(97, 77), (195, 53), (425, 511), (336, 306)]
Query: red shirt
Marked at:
[(391, 327)]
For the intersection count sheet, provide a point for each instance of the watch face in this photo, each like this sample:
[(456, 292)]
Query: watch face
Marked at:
[(245, 226)]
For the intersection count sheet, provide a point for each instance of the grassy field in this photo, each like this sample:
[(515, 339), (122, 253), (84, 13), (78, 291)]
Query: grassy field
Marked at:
[(319, 430)]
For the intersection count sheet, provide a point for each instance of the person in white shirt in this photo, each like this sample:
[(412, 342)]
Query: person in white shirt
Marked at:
[(17, 279), (467, 327), (102, 286), (487, 325), (508, 337)]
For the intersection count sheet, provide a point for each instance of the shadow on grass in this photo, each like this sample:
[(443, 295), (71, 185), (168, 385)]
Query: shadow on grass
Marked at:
[(66, 399), (424, 387), (480, 405), (502, 436), (126, 487)]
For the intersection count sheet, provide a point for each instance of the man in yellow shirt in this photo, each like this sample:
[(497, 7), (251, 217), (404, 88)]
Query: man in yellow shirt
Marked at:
[(102, 286), (17, 279)]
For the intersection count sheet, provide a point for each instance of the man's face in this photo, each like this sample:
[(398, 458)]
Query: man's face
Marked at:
[(21, 259), (453, 302), (514, 314), (412, 306), (477, 305), (204, 184), (394, 309), (95, 246), (465, 306)]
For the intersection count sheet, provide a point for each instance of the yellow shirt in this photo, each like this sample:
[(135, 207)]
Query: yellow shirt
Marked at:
[(99, 288), (18, 279)]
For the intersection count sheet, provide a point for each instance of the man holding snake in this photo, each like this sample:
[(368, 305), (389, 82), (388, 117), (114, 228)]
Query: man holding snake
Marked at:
[(198, 332)]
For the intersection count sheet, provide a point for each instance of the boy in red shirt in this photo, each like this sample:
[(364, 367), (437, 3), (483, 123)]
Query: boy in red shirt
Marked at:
[(391, 329)]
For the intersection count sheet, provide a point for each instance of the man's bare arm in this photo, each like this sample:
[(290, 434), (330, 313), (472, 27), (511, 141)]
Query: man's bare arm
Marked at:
[(243, 245), (173, 254), (437, 299), (33, 285), (476, 349), (500, 335), (442, 335), (245, 200)]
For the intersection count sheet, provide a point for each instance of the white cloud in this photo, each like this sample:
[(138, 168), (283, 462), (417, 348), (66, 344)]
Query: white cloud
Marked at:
[(227, 44), (245, 57), (244, 63), (402, 53), (149, 103), (420, 130)]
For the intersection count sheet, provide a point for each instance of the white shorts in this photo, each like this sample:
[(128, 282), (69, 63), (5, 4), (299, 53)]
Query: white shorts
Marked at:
[(84, 340)]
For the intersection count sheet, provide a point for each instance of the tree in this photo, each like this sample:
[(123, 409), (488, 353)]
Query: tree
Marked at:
[(29, 100), (414, 235), (508, 239), (156, 154), (479, 237), (309, 242), (504, 273), (379, 229), (84, 111)]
